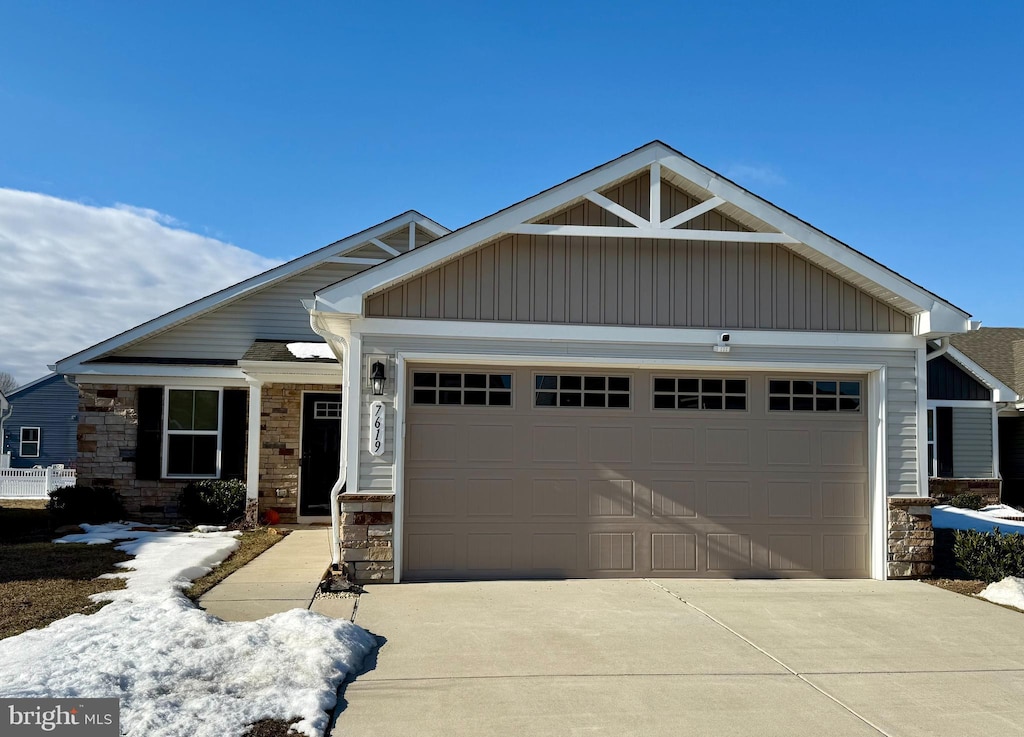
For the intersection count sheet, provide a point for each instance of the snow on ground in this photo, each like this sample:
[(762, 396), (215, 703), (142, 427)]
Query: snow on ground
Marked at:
[(310, 350), (178, 671), (1009, 591), (982, 520)]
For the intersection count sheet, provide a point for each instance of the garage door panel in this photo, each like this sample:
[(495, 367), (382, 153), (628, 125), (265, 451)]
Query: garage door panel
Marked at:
[(608, 492), (610, 497), (673, 498)]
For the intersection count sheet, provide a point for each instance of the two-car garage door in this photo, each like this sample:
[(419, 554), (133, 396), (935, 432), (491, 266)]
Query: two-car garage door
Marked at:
[(560, 472)]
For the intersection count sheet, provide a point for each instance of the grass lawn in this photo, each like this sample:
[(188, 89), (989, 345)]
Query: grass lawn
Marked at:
[(41, 582), (251, 544)]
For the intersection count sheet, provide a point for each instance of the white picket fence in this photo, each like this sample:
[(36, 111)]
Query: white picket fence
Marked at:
[(34, 483)]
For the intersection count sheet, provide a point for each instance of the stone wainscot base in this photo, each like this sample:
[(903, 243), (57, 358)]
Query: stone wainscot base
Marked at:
[(911, 538)]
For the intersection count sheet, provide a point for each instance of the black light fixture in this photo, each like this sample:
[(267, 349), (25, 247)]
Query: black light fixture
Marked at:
[(377, 378)]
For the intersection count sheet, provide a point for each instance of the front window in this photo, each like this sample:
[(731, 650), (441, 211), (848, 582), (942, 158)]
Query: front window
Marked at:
[(933, 467), (192, 433), (30, 442)]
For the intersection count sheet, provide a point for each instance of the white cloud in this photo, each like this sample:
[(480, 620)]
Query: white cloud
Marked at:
[(749, 174), (72, 275)]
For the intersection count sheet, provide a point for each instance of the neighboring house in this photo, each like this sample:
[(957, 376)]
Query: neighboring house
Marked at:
[(5, 458), (985, 419), (644, 370), (40, 427)]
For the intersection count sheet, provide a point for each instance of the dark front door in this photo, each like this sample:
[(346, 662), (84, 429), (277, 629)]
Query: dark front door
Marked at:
[(321, 451)]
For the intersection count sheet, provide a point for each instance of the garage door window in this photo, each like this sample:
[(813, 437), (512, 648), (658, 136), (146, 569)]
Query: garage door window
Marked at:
[(480, 390), (804, 395), (692, 393), (582, 391)]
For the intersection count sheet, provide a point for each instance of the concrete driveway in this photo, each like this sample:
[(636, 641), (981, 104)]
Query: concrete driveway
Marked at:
[(671, 657)]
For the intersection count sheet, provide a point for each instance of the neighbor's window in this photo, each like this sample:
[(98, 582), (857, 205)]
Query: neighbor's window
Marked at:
[(192, 433), (30, 442), (481, 390), (690, 393), (581, 391), (805, 395)]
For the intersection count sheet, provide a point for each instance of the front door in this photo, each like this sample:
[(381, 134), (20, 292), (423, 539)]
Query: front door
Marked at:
[(321, 451)]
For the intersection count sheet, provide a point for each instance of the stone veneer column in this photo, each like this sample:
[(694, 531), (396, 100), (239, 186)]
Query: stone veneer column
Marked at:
[(911, 537), (367, 537)]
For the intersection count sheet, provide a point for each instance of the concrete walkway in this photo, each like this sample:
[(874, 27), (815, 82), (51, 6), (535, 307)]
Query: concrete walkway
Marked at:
[(676, 657), (284, 577)]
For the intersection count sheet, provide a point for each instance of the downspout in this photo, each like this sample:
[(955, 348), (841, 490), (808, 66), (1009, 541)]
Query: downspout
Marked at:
[(314, 324), (943, 347)]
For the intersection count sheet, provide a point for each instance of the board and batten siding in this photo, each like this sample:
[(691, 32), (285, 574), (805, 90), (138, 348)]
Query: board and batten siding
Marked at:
[(972, 442), (274, 313), (377, 473), (622, 281)]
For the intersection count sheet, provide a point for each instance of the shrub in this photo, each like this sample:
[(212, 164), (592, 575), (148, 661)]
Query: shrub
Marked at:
[(73, 505), (967, 500), (212, 502), (989, 556)]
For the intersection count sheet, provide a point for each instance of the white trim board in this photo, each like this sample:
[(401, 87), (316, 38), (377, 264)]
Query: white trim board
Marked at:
[(740, 338), (257, 283), (1000, 391), (932, 314)]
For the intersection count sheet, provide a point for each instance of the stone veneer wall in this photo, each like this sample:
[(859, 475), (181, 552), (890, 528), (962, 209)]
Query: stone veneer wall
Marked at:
[(108, 426), (946, 489), (280, 446), (367, 537), (911, 537)]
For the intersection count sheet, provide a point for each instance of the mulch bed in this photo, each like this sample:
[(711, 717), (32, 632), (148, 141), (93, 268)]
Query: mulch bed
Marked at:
[(959, 586)]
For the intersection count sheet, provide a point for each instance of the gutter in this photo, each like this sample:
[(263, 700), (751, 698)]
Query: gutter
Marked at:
[(943, 347)]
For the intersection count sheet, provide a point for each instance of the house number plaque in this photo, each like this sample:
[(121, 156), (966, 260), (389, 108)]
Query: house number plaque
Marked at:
[(377, 428)]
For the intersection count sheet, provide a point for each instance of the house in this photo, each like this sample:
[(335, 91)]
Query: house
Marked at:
[(40, 426), (974, 397), (643, 370), (5, 407)]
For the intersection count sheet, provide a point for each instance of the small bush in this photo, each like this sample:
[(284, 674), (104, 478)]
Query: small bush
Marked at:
[(212, 502), (967, 500), (989, 556), (73, 505)]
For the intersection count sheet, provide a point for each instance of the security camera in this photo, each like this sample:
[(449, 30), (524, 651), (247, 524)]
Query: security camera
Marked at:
[(723, 344), (724, 338)]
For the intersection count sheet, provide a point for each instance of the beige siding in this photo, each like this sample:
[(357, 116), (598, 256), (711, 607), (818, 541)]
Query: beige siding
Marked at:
[(377, 474), (227, 332), (621, 281), (972, 442)]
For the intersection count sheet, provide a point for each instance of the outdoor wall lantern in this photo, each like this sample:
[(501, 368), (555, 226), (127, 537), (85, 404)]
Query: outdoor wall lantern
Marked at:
[(377, 378)]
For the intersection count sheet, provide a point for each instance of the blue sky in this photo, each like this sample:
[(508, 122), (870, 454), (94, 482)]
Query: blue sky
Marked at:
[(280, 127)]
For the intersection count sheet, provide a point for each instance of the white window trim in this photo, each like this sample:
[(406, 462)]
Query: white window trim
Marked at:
[(38, 441), (167, 432), (932, 442), (953, 403)]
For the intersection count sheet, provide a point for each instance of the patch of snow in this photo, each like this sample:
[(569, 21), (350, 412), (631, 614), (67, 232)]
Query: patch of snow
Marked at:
[(1009, 591), (178, 671), (211, 528), (954, 518), (310, 350)]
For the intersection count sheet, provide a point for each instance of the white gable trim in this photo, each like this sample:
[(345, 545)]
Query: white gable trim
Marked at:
[(1000, 391), (932, 315), (73, 363)]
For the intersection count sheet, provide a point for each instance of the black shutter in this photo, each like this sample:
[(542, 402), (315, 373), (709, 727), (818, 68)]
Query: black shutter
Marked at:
[(944, 441), (147, 451), (233, 431)]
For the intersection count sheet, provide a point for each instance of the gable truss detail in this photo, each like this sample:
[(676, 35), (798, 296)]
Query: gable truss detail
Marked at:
[(654, 228)]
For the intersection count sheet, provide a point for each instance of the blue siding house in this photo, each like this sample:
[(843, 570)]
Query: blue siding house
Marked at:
[(40, 427)]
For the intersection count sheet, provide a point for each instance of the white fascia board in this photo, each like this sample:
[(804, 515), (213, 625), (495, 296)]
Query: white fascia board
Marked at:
[(284, 372), (347, 297), (1000, 391), (253, 284), (940, 321), (790, 225), (623, 334), (122, 373)]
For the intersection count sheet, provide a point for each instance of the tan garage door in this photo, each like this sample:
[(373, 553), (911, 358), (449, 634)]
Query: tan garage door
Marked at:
[(555, 472)]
